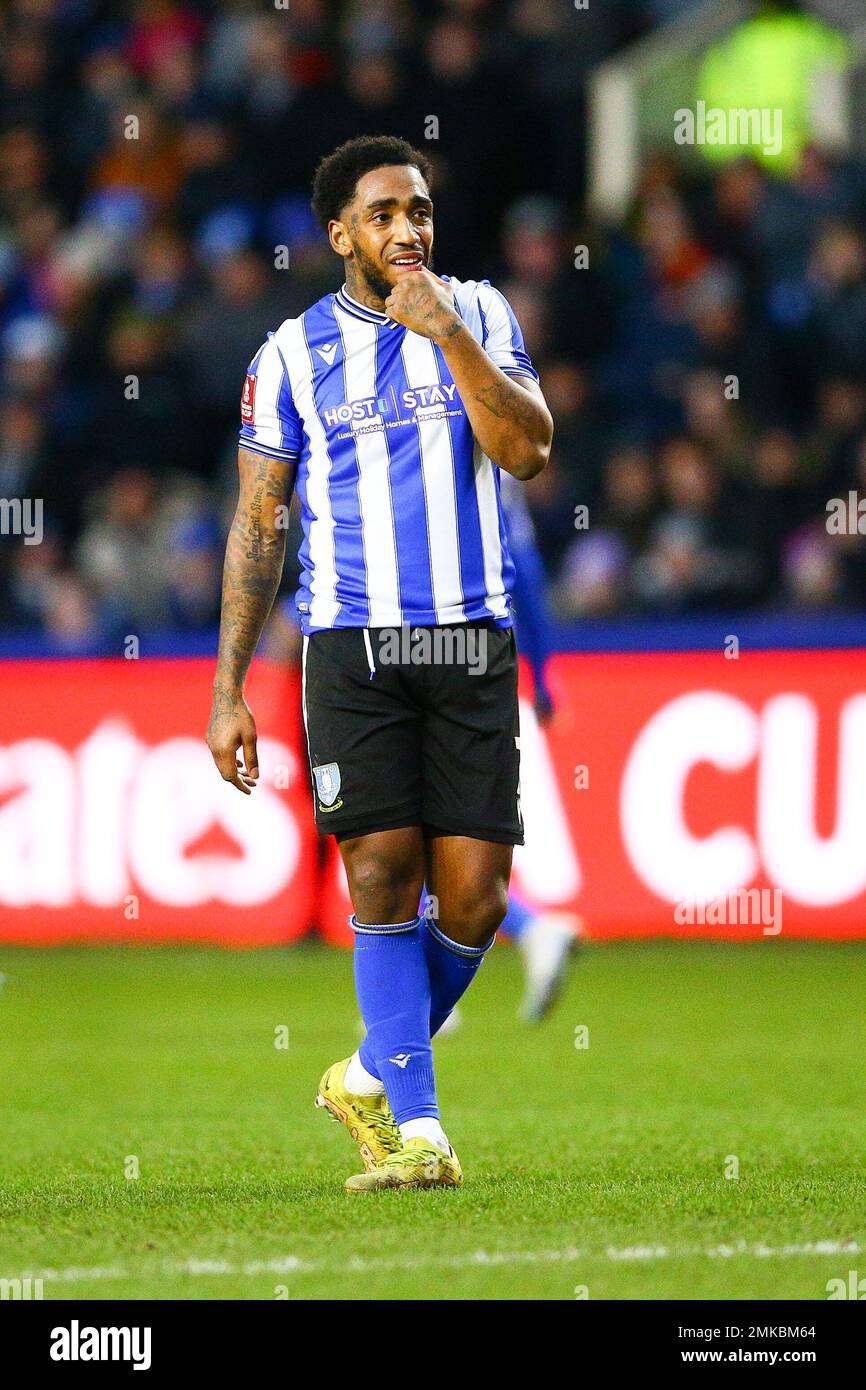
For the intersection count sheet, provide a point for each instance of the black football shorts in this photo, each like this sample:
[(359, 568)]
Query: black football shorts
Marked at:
[(414, 726)]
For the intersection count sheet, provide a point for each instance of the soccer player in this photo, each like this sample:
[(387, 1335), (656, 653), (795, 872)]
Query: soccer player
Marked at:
[(391, 406), (547, 940)]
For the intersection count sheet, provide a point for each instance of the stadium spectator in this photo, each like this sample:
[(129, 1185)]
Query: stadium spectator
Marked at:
[(705, 359)]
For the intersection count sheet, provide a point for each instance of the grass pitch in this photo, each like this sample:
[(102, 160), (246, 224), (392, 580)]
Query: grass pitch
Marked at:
[(600, 1168)]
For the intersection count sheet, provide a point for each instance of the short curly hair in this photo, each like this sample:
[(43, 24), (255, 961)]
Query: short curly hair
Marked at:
[(337, 176)]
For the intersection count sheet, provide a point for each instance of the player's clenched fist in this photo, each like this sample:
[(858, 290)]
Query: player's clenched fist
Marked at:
[(425, 304), (232, 727)]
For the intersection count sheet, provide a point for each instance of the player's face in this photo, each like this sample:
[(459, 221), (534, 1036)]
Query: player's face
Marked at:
[(388, 227)]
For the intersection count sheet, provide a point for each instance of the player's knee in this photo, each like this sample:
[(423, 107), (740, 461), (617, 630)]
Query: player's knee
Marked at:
[(476, 914), (490, 911), (383, 889)]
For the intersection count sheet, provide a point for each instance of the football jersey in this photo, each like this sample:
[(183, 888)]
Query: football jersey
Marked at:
[(400, 508)]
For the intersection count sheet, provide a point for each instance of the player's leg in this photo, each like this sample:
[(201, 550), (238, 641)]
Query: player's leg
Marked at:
[(381, 870), (547, 941), (517, 918), (363, 733), (467, 881), (392, 982), (471, 810), (385, 872)]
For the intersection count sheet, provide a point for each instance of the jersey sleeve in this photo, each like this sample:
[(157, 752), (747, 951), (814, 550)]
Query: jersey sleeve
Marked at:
[(270, 423), (501, 336)]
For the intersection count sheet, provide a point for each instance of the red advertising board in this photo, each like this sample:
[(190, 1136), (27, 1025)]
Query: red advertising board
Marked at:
[(666, 785), (114, 823), (705, 776)]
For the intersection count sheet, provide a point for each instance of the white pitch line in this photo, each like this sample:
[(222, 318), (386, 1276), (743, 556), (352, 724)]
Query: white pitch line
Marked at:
[(293, 1264)]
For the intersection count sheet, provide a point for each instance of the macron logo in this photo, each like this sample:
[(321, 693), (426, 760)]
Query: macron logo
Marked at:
[(401, 1059), (328, 353)]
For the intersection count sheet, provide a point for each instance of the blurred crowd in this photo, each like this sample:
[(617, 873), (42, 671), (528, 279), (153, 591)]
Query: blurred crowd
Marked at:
[(705, 361)]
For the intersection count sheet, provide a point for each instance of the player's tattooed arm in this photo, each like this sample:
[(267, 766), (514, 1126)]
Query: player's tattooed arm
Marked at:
[(255, 552), (507, 404), (509, 417)]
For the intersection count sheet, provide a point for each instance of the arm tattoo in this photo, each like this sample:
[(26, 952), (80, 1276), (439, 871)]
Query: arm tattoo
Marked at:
[(251, 576), (509, 403)]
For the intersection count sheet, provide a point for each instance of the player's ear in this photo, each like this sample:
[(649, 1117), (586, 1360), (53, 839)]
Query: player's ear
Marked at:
[(339, 238)]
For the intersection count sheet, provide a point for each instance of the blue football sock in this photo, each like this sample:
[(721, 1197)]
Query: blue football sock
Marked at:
[(393, 988), (452, 968), (516, 918)]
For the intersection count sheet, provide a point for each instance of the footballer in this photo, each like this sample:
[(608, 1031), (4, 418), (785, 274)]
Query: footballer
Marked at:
[(391, 406)]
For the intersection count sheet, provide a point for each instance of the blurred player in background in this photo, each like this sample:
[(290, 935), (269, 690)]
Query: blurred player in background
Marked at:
[(547, 939), (392, 405)]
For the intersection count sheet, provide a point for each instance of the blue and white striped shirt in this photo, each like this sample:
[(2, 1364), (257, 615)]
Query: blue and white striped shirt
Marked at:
[(400, 508)]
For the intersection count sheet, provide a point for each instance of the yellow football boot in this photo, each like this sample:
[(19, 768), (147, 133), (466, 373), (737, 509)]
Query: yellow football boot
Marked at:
[(417, 1164), (367, 1118)]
